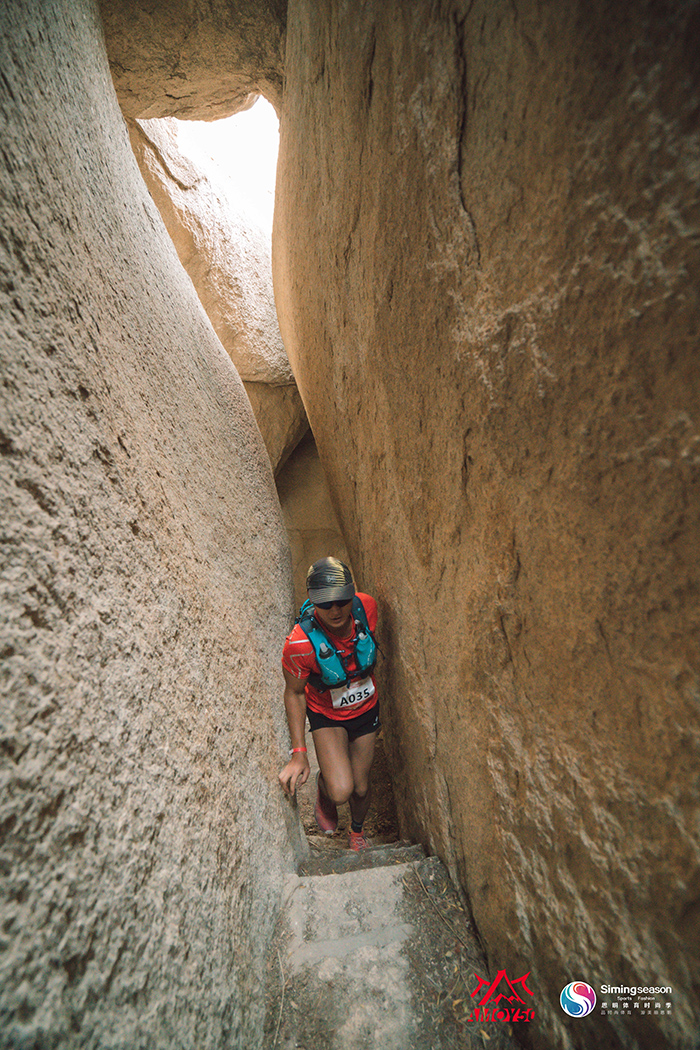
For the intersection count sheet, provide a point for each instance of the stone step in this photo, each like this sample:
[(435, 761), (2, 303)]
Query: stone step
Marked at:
[(336, 861), (382, 956)]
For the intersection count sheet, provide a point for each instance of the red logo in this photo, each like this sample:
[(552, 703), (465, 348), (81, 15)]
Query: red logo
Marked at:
[(500, 992)]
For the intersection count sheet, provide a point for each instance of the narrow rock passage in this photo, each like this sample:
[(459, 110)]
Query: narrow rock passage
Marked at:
[(375, 950)]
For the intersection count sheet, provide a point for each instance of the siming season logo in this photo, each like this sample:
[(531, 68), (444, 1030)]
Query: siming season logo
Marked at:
[(577, 999)]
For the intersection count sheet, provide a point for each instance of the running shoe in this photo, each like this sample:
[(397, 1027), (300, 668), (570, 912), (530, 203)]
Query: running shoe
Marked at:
[(325, 812), (358, 840)]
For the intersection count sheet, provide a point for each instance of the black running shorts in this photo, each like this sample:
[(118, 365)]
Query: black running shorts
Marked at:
[(359, 726)]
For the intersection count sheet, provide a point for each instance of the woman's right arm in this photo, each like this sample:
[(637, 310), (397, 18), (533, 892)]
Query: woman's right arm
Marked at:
[(296, 772)]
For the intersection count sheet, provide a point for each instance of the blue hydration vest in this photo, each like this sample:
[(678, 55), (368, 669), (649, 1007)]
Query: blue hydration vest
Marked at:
[(332, 664)]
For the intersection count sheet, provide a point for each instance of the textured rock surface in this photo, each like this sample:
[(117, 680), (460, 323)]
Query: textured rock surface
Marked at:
[(227, 254), (223, 248), (312, 525), (387, 951), (281, 416), (198, 61), (486, 271), (143, 840)]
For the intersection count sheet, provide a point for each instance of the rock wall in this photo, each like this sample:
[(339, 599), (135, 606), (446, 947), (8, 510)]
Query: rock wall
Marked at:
[(486, 272), (200, 61), (280, 414), (227, 255), (224, 249), (143, 838), (309, 515)]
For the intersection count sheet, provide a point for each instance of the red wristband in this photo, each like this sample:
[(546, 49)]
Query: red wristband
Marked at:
[(295, 749)]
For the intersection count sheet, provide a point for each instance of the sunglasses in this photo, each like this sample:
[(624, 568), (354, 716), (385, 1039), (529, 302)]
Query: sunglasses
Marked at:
[(329, 605)]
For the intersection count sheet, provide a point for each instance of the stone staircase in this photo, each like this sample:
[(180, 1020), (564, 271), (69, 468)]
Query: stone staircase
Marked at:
[(375, 950)]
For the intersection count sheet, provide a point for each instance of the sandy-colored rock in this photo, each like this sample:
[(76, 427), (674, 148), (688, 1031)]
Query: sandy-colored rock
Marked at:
[(145, 589), (281, 416), (200, 61), (486, 271), (312, 525), (226, 251), (382, 941), (222, 246)]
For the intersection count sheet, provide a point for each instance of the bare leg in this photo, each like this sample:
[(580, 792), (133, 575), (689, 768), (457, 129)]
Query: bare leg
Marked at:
[(336, 781), (361, 758), (345, 767)]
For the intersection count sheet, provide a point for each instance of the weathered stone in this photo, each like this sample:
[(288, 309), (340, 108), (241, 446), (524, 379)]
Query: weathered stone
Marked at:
[(280, 414), (312, 525), (144, 839), (223, 248), (385, 945), (200, 61), (227, 254), (486, 270)]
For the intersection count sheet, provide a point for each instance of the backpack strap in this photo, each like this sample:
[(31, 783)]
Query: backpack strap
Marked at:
[(365, 642), (331, 663)]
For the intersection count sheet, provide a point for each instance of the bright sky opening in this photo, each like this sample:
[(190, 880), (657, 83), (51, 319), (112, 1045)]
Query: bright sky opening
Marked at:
[(243, 150)]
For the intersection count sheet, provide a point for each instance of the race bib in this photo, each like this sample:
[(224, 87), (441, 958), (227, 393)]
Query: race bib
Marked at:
[(353, 694)]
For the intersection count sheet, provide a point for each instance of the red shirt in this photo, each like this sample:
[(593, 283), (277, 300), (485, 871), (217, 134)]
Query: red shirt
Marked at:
[(299, 659)]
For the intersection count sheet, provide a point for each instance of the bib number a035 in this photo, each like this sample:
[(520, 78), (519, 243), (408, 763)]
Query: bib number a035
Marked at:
[(352, 694)]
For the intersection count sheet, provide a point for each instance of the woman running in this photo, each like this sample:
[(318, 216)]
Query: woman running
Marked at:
[(328, 662)]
